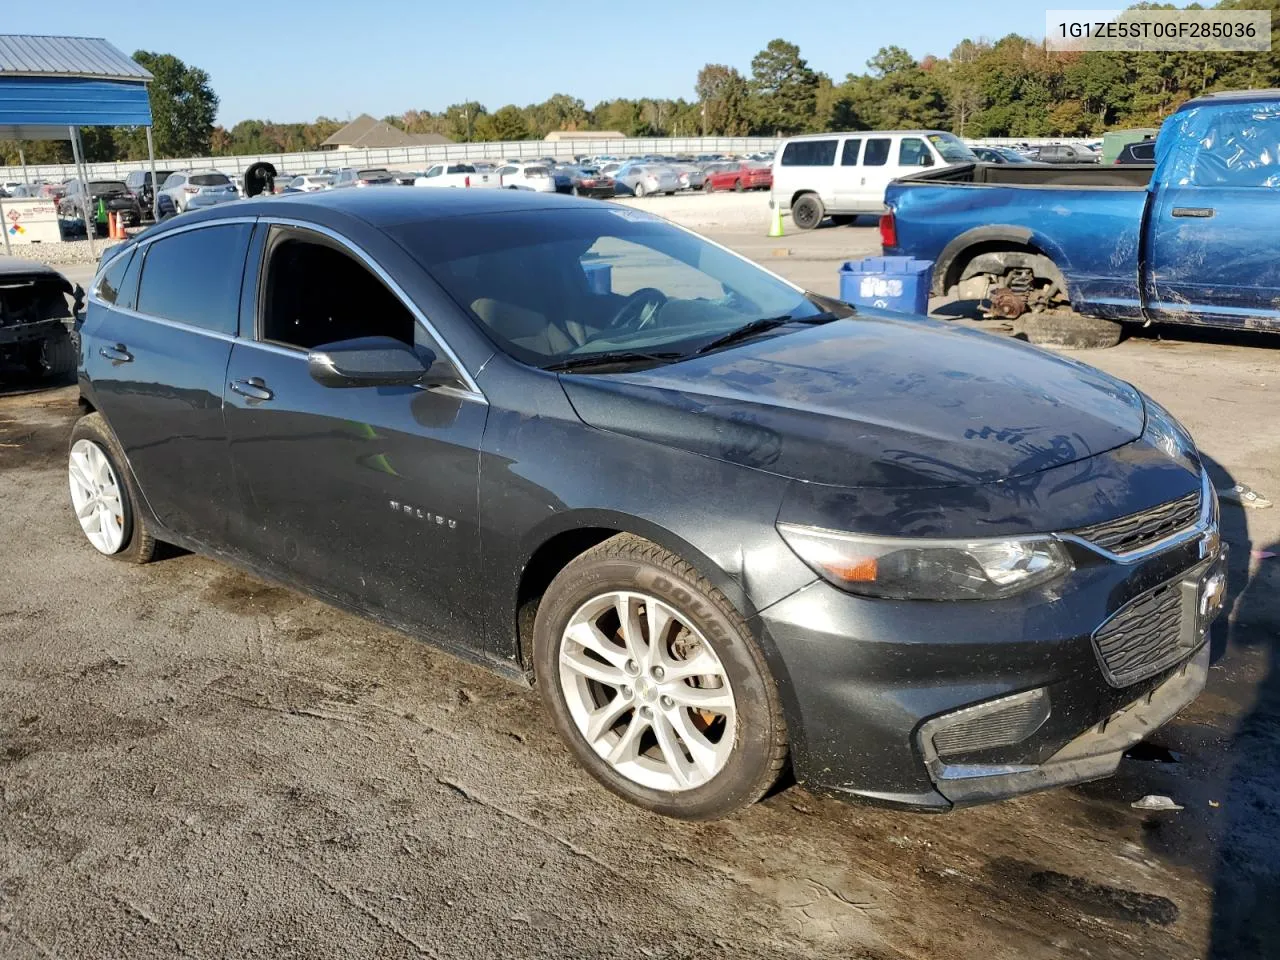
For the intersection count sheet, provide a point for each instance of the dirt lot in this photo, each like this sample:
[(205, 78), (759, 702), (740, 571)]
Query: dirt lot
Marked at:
[(195, 764)]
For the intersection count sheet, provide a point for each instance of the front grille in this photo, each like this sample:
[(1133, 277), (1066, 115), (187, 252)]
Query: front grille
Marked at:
[(1143, 637), (1139, 530)]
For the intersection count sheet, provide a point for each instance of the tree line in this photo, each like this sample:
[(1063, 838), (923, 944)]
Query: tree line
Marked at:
[(1011, 87)]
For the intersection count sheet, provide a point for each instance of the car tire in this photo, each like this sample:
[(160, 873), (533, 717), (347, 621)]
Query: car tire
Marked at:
[(707, 187), (728, 751), (638, 190), (737, 186), (1062, 328), (131, 539), (59, 355), (807, 212)]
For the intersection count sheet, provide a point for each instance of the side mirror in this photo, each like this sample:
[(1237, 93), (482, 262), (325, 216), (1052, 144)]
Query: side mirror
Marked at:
[(373, 362)]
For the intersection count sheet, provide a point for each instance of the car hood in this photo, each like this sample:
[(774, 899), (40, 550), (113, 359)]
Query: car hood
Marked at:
[(872, 402)]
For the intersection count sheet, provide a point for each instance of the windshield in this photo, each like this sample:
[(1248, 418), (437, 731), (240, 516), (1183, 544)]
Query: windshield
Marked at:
[(952, 148), (550, 285)]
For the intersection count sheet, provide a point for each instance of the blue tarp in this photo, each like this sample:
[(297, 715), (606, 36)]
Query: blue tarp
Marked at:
[(30, 102)]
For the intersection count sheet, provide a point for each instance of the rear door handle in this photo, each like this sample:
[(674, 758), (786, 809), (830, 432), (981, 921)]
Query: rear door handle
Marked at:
[(1193, 211), (116, 354), (254, 389)]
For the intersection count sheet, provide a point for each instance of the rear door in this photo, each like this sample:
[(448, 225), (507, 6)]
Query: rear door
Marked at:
[(848, 193), (156, 341), (878, 168), (1212, 256), (368, 494)]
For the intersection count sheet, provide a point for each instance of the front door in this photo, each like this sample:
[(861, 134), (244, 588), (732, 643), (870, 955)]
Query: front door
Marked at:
[(156, 341), (367, 494), (1209, 257)]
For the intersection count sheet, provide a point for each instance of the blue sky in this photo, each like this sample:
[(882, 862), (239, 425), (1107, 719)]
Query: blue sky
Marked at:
[(345, 58)]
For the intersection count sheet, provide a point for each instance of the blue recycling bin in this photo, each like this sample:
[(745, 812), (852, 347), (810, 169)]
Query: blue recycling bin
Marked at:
[(900, 284), (599, 277)]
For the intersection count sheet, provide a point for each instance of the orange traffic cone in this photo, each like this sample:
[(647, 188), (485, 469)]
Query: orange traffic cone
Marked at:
[(111, 225)]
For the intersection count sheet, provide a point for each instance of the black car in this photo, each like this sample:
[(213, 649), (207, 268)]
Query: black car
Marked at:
[(35, 320), (723, 524), (139, 184), (1141, 151), (1062, 153), (111, 195)]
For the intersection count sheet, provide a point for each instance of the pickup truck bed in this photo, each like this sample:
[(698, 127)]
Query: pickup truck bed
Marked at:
[(1189, 239)]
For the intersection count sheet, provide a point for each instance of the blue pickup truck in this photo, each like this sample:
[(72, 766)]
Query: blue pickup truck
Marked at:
[(1192, 239)]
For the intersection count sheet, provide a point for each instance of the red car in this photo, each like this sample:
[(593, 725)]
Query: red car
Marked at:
[(743, 176)]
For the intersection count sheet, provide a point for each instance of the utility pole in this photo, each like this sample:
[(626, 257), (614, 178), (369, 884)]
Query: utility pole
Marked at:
[(704, 119)]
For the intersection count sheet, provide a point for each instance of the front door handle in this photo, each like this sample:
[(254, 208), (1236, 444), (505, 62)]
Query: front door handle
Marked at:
[(116, 354), (1193, 211), (253, 388)]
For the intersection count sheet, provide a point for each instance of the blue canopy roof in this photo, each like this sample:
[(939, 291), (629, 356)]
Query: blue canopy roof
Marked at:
[(48, 84)]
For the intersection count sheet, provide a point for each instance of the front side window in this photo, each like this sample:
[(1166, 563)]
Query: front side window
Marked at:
[(877, 153), (550, 286), (194, 277), (809, 153), (912, 152)]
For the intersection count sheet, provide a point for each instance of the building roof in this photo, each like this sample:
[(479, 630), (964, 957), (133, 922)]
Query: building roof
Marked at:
[(83, 57), (366, 133), (352, 132)]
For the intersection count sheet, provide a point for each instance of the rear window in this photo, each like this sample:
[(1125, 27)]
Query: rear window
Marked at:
[(210, 179), (536, 171), (373, 174), (462, 168), (809, 153), (106, 186), (194, 277)]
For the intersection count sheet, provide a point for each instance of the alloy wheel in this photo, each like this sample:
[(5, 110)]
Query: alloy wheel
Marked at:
[(647, 691), (96, 496)]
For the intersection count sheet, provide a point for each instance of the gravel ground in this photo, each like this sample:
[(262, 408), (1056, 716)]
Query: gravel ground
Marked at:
[(62, 253), (196, 764)]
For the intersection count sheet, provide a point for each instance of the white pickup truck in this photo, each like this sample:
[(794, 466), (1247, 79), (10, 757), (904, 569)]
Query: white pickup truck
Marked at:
[(457, 175)]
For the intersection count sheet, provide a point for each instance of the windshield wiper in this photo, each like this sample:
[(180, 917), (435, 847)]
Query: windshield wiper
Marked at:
[(613, 358), (763, 325)]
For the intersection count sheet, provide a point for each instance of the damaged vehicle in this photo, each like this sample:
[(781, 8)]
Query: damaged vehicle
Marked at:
[(725, 526), (1187, 240), (36, 335)]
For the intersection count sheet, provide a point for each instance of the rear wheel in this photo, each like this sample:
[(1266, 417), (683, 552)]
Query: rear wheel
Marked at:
[(103, 495), (656, 684), (58, 355), (807, 212), (708, 187)]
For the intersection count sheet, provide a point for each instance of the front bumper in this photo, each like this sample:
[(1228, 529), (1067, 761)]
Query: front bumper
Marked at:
[(869, 683)]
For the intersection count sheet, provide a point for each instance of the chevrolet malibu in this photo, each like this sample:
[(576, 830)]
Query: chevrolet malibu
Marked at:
[(725, 526)]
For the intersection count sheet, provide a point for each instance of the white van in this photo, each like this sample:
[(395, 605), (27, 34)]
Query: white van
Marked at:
[(844, 174)]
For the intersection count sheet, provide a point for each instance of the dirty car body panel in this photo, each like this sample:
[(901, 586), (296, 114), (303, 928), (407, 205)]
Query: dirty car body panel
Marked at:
[(426, 507)]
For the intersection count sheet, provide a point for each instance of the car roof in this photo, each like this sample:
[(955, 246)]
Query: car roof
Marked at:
[(387, 208), (1233, 96), (863, 133)]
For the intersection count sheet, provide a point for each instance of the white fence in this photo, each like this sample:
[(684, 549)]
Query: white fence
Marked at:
[(416, 158), (412, 158)]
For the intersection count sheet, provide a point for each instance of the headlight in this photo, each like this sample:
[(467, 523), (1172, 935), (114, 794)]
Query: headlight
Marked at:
[(1168, 435), (903, 569)]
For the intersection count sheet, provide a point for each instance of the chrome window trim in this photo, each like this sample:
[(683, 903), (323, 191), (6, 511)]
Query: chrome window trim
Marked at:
[(472, 390), (1205, 524), (175, 324)]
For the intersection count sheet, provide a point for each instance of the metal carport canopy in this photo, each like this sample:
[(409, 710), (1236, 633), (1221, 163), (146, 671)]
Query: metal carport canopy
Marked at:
[(50, 86)]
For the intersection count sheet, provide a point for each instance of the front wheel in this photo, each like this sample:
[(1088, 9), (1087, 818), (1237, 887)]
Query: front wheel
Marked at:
[(807, 212), (639, 190), (655, 682), (737, 186)]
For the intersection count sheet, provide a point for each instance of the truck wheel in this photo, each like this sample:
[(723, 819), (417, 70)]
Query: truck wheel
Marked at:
[(1066, 329), (656, 682), (807, 212)]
